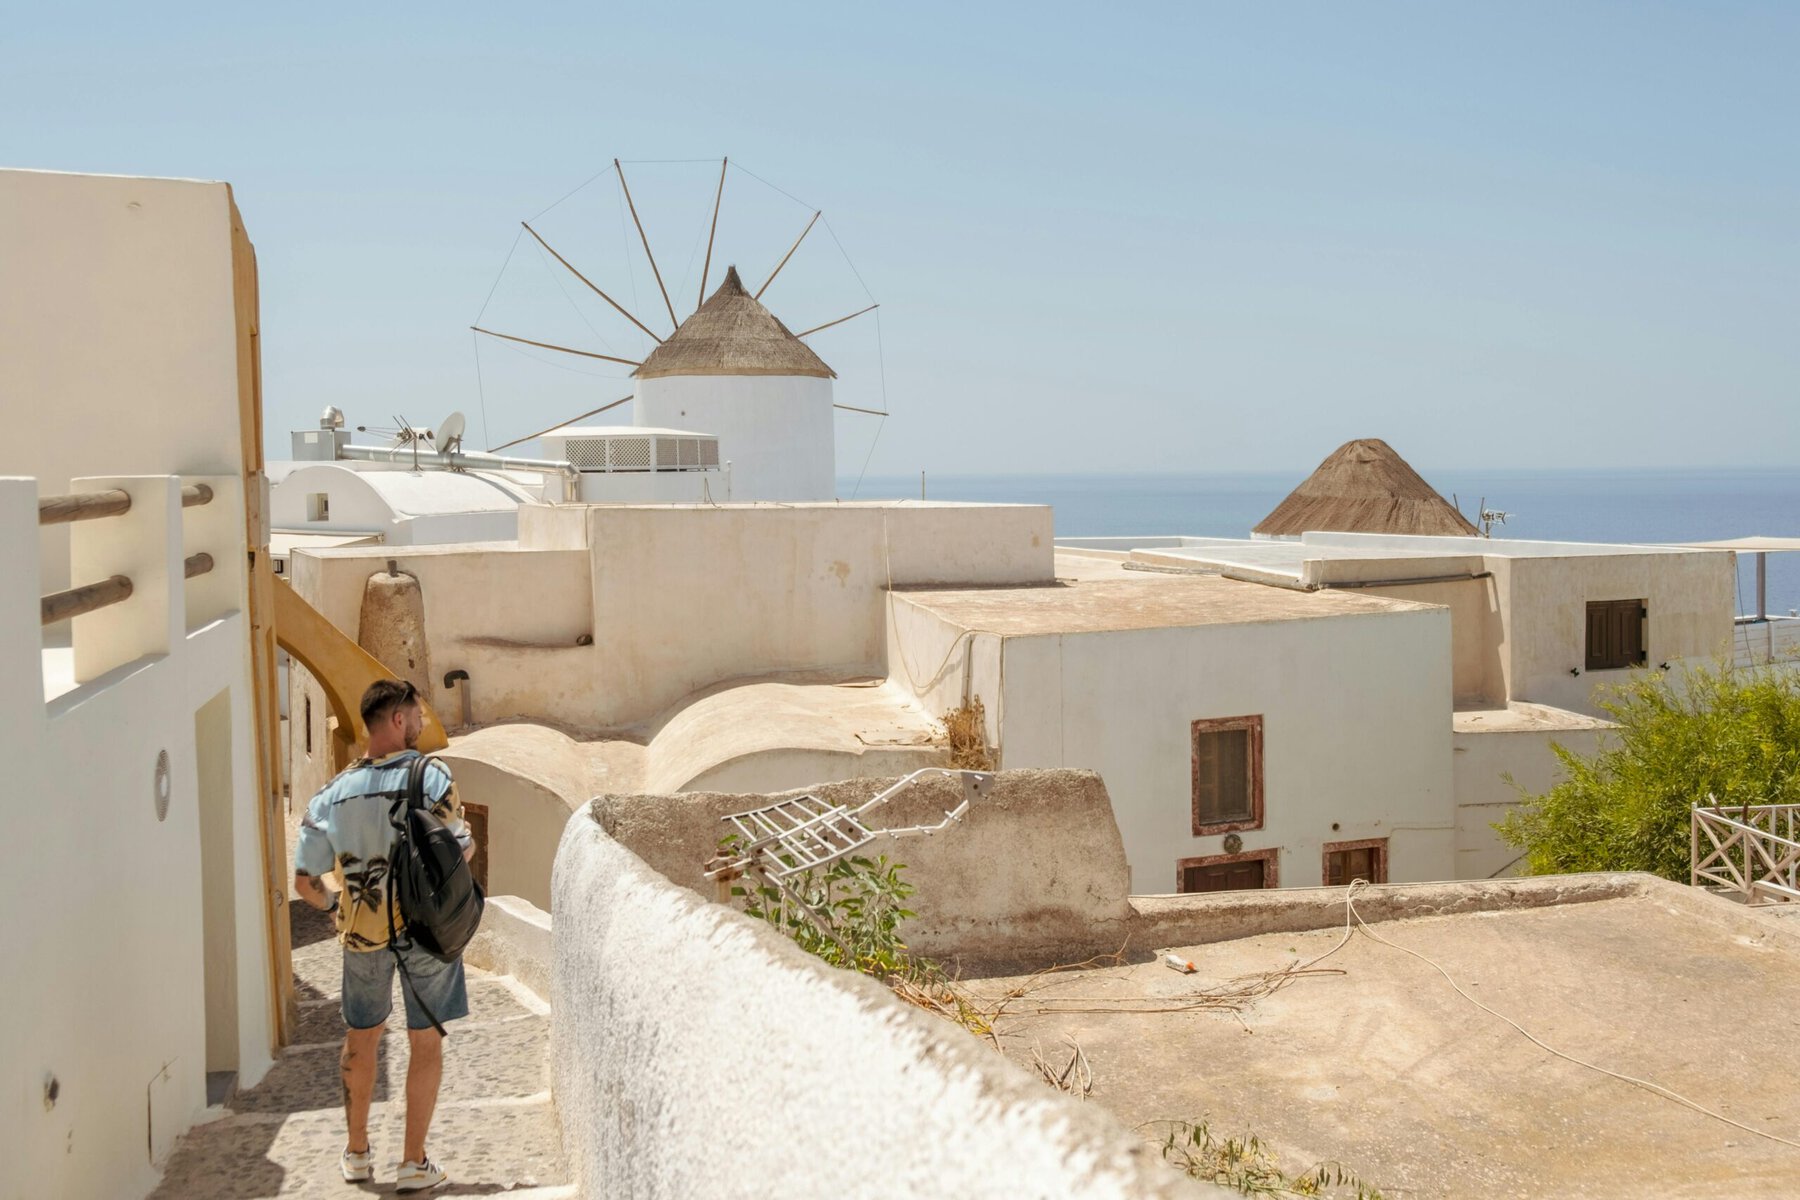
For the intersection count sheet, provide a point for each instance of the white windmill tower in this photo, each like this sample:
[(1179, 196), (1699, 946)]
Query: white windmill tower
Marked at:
[(732, 370)]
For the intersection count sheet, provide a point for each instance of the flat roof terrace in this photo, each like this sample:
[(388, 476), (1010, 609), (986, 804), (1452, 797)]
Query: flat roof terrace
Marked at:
[(1138, 601), (1375, 1062), (1330, 554)]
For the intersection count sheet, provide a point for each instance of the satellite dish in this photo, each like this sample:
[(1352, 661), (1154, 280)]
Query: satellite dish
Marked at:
[(450, 433)]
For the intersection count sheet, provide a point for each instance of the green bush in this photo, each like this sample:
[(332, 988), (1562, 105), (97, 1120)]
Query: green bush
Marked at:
[(1733, 735), (862, 899)]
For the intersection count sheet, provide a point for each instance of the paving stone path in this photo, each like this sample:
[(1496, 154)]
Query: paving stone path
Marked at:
[(494, 1132)]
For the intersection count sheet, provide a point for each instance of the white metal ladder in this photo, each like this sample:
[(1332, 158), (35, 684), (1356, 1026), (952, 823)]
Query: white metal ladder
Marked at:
[(781, 840)]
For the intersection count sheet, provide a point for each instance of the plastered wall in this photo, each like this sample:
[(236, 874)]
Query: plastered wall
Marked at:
[(117, 333), (677, 598), (1692, 603), (1355, 713), (120, 355), (114, 930), (1036, 865), (835, 1088), (685, 597), (1494, 770)]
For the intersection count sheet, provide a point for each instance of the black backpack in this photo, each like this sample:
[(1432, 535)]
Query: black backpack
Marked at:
[(428, 877)]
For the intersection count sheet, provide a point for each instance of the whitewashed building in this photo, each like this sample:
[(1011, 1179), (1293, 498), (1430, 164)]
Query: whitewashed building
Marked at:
[(146, 936)]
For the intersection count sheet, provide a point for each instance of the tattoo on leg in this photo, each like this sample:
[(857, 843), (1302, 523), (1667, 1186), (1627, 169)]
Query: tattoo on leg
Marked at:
[(344, 1064)]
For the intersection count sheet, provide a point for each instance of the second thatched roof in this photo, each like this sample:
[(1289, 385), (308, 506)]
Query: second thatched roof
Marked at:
[(1364, 487), (733, 334)]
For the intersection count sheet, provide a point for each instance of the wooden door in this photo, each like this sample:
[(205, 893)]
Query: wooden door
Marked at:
[(1243, 875)]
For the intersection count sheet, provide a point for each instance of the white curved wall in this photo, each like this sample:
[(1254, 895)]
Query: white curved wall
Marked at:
[(775, 430), (354, 505)]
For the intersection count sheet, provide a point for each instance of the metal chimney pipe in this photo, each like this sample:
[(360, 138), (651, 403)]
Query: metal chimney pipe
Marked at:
[(458, 460)]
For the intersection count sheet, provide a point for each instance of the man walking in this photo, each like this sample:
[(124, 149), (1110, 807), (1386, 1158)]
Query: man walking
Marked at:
[(347, 828)]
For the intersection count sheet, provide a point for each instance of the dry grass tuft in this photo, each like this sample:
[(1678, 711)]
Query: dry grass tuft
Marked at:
[(965, 729)]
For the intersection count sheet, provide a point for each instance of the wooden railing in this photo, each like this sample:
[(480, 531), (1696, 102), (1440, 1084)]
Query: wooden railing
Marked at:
[(1751, 852), (88, 506)]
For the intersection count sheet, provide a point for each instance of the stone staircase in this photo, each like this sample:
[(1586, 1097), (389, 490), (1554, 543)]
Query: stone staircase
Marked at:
[(495, 1130)]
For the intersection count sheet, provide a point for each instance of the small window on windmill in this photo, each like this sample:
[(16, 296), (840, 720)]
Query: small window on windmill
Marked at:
[(630, 453), (318, 506)]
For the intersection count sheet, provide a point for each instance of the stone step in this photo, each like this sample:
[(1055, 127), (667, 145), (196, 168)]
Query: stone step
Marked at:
[(494, 1130), (502, 1147), (482, 1061)]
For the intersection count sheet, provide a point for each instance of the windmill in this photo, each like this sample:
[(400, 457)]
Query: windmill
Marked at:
[(728, 368)]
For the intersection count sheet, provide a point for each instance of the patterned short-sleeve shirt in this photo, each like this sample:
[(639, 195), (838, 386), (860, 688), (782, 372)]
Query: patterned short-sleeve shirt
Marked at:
[(348, 828)]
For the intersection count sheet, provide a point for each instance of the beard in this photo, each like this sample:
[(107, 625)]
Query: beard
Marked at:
[(412, 737)]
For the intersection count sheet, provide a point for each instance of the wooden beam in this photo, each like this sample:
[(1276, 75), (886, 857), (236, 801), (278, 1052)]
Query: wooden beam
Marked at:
[(78, 601), (591, 287), (788, 255), (873, 412), (196, 564), (271, 812), (713, 232), (827, 325), (343, 669), (630, 362), (592, 412), (113, 502), (643, 238), (83, 506)]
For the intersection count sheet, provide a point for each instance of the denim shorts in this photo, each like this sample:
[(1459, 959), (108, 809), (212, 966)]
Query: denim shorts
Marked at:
[(369, 988)]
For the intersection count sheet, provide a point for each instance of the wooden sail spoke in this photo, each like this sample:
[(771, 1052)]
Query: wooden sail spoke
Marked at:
[(620, 308), (827, 325), (630, 362), (629, 203), (788, 255), (713, 232)]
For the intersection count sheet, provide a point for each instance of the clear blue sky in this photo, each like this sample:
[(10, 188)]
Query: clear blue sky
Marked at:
[(1161, 237)]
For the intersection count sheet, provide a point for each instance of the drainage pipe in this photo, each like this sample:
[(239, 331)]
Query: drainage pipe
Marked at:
[(462, 677)]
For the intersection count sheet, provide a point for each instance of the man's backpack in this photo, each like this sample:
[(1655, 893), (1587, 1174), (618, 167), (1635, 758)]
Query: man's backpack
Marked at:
[(440, 903)]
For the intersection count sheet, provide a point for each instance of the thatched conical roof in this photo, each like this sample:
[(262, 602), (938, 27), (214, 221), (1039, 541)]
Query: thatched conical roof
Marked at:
[(733, 334), (1364, 487)]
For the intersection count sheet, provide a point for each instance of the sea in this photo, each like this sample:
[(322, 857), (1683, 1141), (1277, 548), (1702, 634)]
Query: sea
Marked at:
[(1643, 506)]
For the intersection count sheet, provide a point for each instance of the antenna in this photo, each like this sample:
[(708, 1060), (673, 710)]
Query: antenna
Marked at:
[(450, 433), (1491, 517)]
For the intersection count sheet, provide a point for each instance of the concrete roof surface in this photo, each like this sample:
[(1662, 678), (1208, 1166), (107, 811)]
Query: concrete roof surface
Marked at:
[(621, 431), (1288, 556), (1518, 716), (1111, 600), (1750, 545), (1382, 1067), (432, 493)]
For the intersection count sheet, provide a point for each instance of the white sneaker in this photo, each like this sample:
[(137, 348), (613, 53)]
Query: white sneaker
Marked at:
[(357, 1168), (420, 1177)]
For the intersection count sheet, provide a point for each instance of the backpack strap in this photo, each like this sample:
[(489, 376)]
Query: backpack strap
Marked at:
[(412, 796)]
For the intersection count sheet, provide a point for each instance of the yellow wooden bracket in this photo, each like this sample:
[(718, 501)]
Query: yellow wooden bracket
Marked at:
[(343, 668)]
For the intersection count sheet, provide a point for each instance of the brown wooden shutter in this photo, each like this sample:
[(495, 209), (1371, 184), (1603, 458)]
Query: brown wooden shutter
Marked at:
[(1224, 877)]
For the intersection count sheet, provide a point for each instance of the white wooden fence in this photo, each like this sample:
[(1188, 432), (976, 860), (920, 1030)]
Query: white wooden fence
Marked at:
[(1751, 852)]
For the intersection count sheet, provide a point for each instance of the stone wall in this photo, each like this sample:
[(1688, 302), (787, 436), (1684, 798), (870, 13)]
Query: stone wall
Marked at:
[(1036, 867), (699, 1053)]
